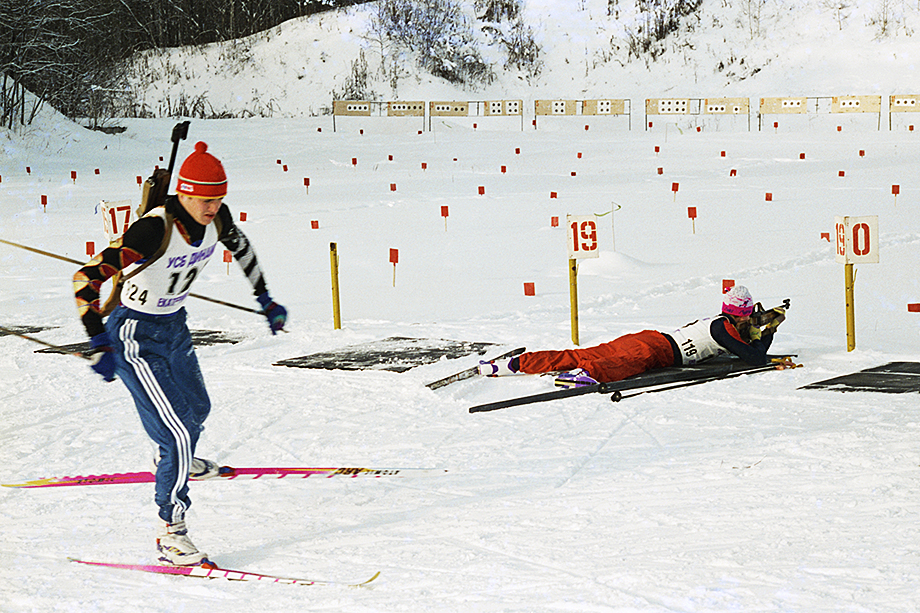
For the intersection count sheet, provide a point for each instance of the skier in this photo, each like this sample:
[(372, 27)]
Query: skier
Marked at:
[(146, 341), (632, 354)]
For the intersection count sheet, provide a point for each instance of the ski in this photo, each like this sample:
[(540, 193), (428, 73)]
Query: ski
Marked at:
[(230, 472), (778, 364), (701, 373), (469, 373), (212, 571)]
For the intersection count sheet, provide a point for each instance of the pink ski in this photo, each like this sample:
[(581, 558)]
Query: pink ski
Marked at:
[(229, 472), (211, 571)]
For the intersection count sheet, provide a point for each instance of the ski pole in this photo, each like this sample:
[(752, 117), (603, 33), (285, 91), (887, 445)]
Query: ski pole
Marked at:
[(40, 252), (46, 344), (72, 261), (776, 364)]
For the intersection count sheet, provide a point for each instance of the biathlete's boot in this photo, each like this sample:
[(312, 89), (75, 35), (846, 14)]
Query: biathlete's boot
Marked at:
[(200, 469), (203, 469), (175, 547), (575, 378), (499, 368)]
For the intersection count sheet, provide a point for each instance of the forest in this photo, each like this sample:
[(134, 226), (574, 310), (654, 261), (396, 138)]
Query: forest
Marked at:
[(65, 51)]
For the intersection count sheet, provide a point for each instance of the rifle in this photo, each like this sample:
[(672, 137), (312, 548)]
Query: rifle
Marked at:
[(157, 185), (761, 317)]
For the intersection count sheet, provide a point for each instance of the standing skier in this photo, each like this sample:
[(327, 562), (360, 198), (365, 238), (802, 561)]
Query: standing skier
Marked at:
[(146, 341), (730, 332)]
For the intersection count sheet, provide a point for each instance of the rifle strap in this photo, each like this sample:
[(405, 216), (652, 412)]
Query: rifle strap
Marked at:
[(119, 279)]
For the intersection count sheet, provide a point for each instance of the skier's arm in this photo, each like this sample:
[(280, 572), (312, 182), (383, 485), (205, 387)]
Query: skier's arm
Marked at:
[(141, 240), (753, 353), (236, 242)]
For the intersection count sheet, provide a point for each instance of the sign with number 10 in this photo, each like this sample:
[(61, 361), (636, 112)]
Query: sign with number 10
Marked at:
[(857, 239), (582, 235)]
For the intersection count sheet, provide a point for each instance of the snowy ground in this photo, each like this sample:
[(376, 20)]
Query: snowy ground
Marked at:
[(743, 495)]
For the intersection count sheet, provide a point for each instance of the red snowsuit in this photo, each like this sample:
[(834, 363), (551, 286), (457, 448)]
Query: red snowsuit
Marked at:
[(643, 351), (620, 358)]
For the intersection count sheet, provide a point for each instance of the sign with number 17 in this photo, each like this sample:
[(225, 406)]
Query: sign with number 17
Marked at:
[(116, 217), (582, 236)]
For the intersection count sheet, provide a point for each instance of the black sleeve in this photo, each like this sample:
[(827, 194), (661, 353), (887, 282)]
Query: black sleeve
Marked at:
[(754, 353), (236, 242)]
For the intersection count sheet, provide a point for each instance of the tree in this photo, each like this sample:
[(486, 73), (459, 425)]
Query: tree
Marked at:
[(66, 51), (41, 50), (498, 10), (437, 33)]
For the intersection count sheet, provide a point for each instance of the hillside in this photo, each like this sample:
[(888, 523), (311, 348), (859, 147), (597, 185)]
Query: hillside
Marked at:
[(803, 47)]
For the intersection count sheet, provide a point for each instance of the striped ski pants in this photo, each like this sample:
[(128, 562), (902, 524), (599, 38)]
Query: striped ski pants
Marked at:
[(155, 359)]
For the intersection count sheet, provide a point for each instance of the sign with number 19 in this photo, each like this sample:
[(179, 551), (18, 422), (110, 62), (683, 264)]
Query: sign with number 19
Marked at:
[(582, 235)]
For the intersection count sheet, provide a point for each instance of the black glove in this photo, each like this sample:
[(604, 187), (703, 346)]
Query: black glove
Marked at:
[(102, 356), (275, 313)]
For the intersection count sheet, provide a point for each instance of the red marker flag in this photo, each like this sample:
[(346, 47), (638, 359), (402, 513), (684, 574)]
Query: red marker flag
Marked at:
[(394, 259)]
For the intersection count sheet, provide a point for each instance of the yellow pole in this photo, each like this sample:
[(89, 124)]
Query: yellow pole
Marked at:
[(851, 317), (334, 260), (573, 297)]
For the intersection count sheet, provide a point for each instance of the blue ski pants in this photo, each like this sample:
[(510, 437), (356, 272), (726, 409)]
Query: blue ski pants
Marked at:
[(155, 359)]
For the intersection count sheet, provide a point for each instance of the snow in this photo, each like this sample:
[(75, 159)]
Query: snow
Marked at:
[(798, 49), (744, 495)]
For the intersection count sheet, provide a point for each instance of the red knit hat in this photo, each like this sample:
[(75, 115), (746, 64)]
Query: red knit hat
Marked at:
[(202, 175)]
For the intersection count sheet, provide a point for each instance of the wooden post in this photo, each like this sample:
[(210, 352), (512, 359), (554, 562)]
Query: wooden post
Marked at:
[(336, 311), (851, 316), (573, 297)]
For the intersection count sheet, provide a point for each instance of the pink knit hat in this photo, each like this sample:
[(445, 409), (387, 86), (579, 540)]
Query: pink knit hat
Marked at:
[(202, 175), (738, 302)]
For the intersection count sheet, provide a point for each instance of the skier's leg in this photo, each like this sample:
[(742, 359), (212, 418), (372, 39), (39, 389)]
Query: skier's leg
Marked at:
[(536, 362), (171, 403), (631, 355)]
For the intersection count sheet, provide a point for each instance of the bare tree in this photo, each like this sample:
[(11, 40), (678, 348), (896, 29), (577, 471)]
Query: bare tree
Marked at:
[(40, 50), (840, 9), (498, 10), (66, 51), (753, 11), (438, 35)]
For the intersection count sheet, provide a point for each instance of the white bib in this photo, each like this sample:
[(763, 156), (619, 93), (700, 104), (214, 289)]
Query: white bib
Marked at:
[(162, 287), (696, 343)]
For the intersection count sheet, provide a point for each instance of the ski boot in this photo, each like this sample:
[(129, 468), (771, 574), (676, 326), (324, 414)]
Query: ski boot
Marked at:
[(499, 368), (575, 378), (200, 469), (176, 548)]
